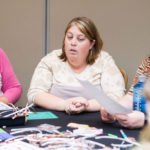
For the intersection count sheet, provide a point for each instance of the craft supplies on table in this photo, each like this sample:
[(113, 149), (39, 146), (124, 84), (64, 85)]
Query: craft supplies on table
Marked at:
[(19, 146), (9, 121), (3, 106), (14, 116), (4, 135), (41, 115)]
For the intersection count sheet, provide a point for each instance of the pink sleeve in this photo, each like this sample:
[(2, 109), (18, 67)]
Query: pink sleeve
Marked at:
[(10, 84)]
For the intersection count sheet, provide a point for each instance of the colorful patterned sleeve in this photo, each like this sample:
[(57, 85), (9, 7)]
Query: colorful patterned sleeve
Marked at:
[(144, 68)]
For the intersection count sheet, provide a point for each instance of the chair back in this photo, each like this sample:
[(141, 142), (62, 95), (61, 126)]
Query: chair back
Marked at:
[(125, 76)]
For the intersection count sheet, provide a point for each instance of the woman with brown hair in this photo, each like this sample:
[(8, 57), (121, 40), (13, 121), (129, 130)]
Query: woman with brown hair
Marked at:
[(54, 84)]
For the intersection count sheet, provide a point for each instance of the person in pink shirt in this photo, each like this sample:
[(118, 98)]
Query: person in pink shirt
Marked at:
[(10, 88)]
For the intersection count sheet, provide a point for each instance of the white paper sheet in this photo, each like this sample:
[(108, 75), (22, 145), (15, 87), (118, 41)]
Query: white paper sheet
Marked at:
[(4, 106), (110, 105)]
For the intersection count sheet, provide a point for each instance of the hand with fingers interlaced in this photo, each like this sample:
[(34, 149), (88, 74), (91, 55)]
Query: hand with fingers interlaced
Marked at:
[(76, 105)]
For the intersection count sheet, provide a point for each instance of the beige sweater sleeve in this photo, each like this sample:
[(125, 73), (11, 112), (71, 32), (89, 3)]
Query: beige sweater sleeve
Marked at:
[(41, 79), (112, 81)]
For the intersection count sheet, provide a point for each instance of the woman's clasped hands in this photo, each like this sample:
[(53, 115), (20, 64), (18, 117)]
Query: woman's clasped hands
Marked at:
[(76, 105)]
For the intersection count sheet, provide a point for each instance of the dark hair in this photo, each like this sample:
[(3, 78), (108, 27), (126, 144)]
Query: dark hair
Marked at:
[(87, 27)]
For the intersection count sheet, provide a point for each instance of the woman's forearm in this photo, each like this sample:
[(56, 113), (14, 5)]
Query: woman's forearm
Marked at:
[(13, 94), (4, 100), (126, 101), (93, 106), (49, 101)]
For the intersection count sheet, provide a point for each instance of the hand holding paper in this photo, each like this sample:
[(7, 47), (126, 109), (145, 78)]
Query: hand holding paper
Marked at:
[(106, 117)]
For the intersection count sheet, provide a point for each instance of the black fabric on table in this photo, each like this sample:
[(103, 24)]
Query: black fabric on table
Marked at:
[(93, 119)]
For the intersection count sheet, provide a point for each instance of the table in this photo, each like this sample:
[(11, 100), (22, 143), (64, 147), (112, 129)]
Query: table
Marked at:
[(93, 119)]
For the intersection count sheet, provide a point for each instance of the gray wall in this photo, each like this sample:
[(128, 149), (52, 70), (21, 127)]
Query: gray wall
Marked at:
[(21, 37), (124, 26)]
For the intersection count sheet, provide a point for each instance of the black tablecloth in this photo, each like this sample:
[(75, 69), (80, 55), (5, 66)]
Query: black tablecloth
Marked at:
[(93, 119)]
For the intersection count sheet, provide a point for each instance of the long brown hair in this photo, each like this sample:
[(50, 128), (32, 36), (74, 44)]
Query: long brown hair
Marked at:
[(87, 27)]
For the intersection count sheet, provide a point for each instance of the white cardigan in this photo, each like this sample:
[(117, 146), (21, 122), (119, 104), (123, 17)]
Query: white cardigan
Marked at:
[(53, 71)]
